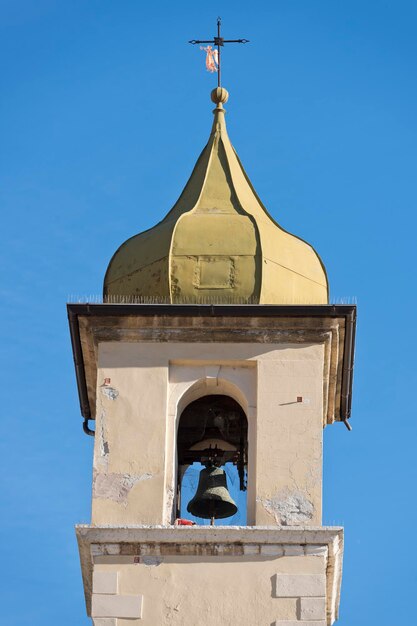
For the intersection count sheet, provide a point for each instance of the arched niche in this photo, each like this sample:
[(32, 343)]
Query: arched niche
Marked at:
[(215, 382), (191, 381), (212, 432)]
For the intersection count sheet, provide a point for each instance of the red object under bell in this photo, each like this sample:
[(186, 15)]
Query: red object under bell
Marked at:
[(183, 522)]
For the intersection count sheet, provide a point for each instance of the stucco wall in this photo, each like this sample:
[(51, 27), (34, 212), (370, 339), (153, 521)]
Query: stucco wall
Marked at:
[(142, 388), (254, 590)]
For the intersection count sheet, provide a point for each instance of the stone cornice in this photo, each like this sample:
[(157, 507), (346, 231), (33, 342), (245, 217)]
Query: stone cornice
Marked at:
[(332, 326)]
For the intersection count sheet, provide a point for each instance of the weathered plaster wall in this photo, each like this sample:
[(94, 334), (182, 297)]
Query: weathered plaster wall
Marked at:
[(141, 390), (289, 437), (129, 451)]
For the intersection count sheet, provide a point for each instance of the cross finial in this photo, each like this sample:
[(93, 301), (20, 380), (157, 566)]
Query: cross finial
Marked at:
[(218, 41)]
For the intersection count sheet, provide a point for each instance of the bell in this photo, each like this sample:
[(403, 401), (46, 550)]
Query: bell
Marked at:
[(212, 499)]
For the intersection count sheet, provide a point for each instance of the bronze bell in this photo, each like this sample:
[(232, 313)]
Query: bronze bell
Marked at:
[(212, 499)]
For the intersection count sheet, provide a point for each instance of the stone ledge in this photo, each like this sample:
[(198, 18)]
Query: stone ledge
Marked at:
[(298, 623), (104, 621), (307, 535)]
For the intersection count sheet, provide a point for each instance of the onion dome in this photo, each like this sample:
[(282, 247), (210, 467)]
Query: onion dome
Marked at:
[(218, 243)]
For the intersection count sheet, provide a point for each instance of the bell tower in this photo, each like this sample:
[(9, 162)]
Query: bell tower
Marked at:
[(215, 354)]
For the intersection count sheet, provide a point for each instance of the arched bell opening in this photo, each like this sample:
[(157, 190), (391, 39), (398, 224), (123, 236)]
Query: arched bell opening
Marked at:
[(212, 449)]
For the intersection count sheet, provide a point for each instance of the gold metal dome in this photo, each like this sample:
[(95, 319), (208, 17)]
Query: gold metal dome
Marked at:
[(218, 243)]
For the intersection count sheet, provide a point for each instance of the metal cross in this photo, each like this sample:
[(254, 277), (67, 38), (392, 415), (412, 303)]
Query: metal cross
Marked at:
[(219, 42)]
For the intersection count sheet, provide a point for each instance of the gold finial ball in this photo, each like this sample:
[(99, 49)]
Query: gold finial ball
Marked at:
[(220, 95)]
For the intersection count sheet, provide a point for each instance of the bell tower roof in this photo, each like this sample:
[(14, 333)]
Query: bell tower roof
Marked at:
[(218, 243)]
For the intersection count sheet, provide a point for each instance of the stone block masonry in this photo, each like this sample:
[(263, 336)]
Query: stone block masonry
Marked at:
[(312, 608), (310, 591), (298, 585), (128, 607), (107, 604), (106, 582)]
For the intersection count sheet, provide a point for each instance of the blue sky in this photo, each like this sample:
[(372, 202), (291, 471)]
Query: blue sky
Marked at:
[(104, 110)]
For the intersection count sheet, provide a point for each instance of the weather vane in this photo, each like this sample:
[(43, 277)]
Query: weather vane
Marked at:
[(213, 58)]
